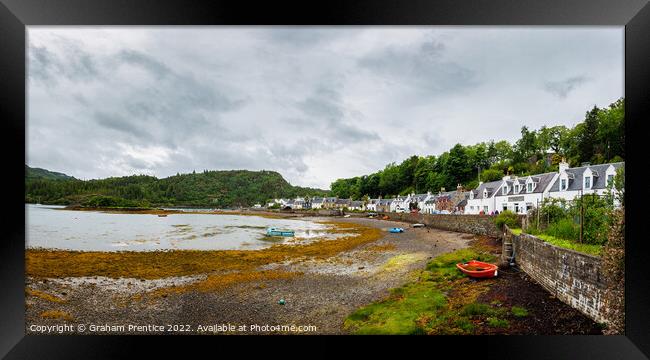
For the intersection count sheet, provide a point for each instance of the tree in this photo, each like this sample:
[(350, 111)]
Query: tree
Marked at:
[(488, 175), (589, 135), (457, 169), (527, 146)]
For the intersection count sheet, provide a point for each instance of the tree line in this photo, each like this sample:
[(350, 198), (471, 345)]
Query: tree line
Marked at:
[(599, 139), (210, 188)]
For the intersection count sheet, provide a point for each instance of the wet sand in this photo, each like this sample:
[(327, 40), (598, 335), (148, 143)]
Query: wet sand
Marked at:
[(321, 297)]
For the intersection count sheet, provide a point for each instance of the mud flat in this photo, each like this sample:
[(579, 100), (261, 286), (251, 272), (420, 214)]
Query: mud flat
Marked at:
[(320, 283)]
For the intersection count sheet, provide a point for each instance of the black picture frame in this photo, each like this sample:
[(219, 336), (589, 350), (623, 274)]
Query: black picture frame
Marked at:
[(15, 15)]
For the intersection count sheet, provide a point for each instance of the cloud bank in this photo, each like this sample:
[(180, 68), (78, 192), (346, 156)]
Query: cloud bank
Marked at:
[(314, 103)]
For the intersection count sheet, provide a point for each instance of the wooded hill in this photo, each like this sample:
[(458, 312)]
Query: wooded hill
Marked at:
[(38, 173), (220, 189)]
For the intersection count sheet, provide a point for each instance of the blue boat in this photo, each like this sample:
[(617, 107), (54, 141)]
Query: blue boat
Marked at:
[(278, 232), (396, 230)]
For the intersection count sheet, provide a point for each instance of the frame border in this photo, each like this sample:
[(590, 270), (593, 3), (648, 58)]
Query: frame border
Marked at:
[(15, 15)]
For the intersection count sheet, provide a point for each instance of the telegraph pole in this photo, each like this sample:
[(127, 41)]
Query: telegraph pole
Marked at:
[(582, 215)]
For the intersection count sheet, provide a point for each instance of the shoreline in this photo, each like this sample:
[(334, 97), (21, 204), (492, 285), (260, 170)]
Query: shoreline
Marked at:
[(326, 281)]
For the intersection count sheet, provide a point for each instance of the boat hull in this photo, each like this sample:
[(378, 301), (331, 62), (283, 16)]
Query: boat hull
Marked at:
[(278, 232), (478, 269), (396, 230)]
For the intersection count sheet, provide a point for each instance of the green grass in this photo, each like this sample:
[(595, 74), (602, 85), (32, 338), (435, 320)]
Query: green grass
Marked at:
[(423, 307), (590, 249), (498, 323), (519, 311), (568, 244)]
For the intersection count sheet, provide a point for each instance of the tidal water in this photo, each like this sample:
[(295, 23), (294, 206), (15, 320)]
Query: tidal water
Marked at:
[(53, 228)]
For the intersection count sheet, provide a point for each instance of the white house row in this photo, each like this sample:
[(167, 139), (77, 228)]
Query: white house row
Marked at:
[(522, 194)]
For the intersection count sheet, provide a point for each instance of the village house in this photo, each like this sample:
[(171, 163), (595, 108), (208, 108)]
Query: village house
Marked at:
[(400, 204), (520, 195), (356, 205), (372, 204), (429, 206), (384, 205), (571, 183), (482, 199), (288, 205), (317, 203), (418, 201), (329, 203), (342, 203)]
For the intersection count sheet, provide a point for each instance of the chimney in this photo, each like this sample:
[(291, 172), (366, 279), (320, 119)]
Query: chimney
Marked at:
[(459, 188), (442, 189), (563, 166)]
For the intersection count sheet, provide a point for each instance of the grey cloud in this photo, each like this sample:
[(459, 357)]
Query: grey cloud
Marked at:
[(117, 122), (42, 64), (324, 110), (137, 58), (301, 36), (314, 103), (420, 66), (561, 89), (75, 64)]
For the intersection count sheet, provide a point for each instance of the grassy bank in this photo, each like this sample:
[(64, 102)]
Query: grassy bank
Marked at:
[(159, 264), (590, 249), (441, 301)]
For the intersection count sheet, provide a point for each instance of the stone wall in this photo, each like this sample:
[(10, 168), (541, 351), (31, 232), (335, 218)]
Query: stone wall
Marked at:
[(574, 278), (472, 224)]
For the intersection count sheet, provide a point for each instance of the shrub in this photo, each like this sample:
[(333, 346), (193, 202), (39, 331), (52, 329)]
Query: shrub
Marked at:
[(564, 229), (506, 217)]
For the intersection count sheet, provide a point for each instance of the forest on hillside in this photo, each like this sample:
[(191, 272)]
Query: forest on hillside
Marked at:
[(600, 138), (219, 189)]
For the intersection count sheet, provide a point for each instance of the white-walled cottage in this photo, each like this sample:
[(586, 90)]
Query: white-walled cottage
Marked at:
[(571, 183), (483, 198), (520, 195)]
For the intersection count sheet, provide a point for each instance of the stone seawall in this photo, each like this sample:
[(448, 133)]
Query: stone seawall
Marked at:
[(574, 278), (472, 224)]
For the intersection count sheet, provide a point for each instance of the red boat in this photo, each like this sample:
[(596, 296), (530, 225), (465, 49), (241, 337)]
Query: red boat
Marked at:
[(478, 269)]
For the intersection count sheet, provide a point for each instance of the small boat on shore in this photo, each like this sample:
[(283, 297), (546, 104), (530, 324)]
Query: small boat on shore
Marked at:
[(478, 269), (418, 225), (162, 215), (396, 230), (279, 232)]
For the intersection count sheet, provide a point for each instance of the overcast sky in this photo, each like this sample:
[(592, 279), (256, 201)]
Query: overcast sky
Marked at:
[(314, 103)]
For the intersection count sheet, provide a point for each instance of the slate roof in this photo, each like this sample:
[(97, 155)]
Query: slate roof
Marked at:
[(490, 186), (317, 200), (542, 180), (577, 183), (419, 197)]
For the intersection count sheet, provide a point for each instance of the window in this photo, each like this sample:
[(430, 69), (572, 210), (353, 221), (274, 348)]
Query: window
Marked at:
[(505, 190), (587, 182), (504, 207), (563, 184), (610, 180), (485, 208), (530, 187), (515, 189)]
